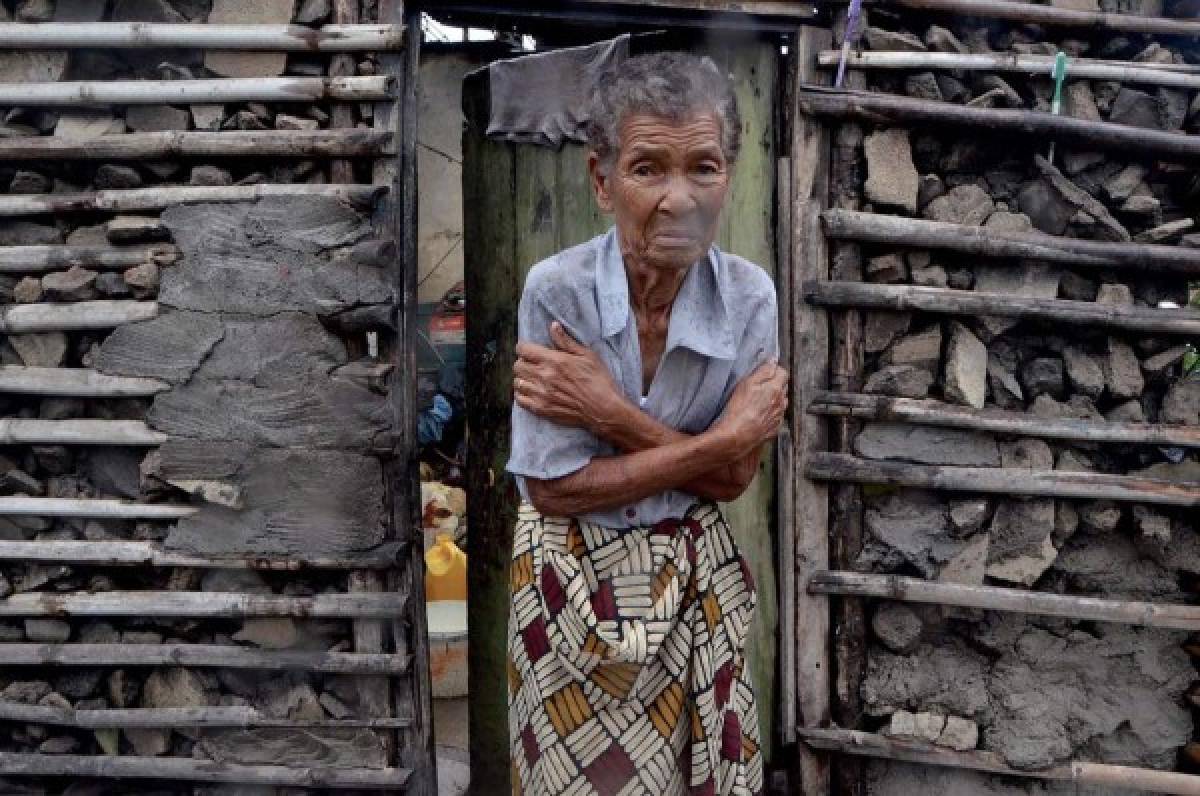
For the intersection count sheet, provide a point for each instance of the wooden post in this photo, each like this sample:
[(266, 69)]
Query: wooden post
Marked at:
[(397, 218), (810, 352), (341, 116), (845, 503)]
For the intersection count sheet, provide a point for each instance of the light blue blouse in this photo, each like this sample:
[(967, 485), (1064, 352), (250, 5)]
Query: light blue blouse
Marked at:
[(724, 324)]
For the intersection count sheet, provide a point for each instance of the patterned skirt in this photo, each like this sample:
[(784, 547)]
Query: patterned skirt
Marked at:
[(626, 659)]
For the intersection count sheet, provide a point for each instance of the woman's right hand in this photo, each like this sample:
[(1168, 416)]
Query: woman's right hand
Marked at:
[(756, 408)]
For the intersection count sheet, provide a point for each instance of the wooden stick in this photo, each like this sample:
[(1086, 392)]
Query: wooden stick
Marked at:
[(25, 318), (909, 112), (252, 143), (75, 382), (197, 770), (100, 508), (216, 655), (991, 598), (998, 480), (206, 605), (38, 259), (1000, 421), (1032, 245), (208, 90), (1061, 17), (809, 260), (143, 35), (966, 302), (162, 196), (34, 431), (171, 718), (341, 115), (867, 744), (115, 552), (1037, 65)]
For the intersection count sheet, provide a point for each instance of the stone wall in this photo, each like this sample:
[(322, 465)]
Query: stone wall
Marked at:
[(278, 424), (1037, 691)]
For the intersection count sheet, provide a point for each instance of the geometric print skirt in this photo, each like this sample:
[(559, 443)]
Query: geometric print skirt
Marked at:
[(626, 659)]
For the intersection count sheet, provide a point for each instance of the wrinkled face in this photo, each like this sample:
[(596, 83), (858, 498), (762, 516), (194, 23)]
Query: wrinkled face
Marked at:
[(666, 187)]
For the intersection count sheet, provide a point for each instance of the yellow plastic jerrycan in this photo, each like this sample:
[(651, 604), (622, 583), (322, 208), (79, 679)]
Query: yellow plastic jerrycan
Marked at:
[(446, 570)]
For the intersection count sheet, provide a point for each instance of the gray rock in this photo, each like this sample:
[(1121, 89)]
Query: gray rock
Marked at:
[(113, 176), (1114, 294), (75, 284), (207, 117), (111, 285), (1004, 221), (1122, 371), (880, 329), (1172, 108), (285, 121), (1161, 364), (1136, 108), (923, 85), (1153, 527), (1122, 185), (897, 627), (879, 39), (32, 66), (135, 229), (1043, 375), (968, 515), (1165, 232), (35, 10), (887, 269), (40, 349), (1129, 412), (142, 279), (156, 118), (28, 290), (1078, 101), (1006, 390), (271, 633), (313, 11), (53, 631), (939, 39), (1100, 516), (87, 124), (891, 176), (901, 381), (1026, 453), (966, 204), (1053, 202), (994, 84), (25, 233), (26, 181), (929, 276), (210, 175), (145, 11), (168, 347), (923, 349), (949, 677), (965, 377), (1085, 372), (1143, 206), (929, 187), (959, 734), (926, 445), (1181, 404), (248, 64), (1020, 533)]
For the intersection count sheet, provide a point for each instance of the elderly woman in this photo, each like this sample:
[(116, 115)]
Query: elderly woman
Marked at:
[(646, 388)]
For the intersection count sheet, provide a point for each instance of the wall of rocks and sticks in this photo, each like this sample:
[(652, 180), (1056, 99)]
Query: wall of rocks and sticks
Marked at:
[(1014, 412), (201, 587)]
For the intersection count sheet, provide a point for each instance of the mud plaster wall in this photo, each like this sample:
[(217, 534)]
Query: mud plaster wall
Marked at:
[(1038, 691)]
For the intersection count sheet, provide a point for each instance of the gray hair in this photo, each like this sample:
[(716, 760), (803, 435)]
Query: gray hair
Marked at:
[(674, 85)]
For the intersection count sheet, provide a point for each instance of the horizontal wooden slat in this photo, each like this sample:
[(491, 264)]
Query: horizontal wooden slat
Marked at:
[(25, 318), (966, 302), (75, 382), (202, 605), (38, 259), (158, 197), (1039, 65), (207, 655), (82, 431), (197, 770), (116, 552), (991, 598), (890, 109), (90, 93), (999, 421), (98, 508), (868, 744), (174, 718), (1056, 16), (1004, 481), (782, 17), (253, 143), (1032, 245), (140, 35)]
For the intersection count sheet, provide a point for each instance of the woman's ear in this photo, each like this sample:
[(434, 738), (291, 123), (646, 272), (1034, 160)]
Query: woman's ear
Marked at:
[(599, 179)]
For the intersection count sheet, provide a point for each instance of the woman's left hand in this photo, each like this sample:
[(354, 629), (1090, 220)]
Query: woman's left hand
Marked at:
[(568, 384)]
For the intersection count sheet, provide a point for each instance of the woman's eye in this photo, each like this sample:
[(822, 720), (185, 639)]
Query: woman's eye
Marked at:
[(707, 168), (643, 170)]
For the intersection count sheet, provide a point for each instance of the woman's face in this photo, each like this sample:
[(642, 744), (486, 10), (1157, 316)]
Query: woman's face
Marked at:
[(666, 187)]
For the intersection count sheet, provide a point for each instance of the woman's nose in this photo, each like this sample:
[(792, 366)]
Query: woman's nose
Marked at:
[(677, 195)]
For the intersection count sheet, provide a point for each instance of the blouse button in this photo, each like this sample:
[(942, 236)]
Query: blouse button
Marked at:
[(630, 513)]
